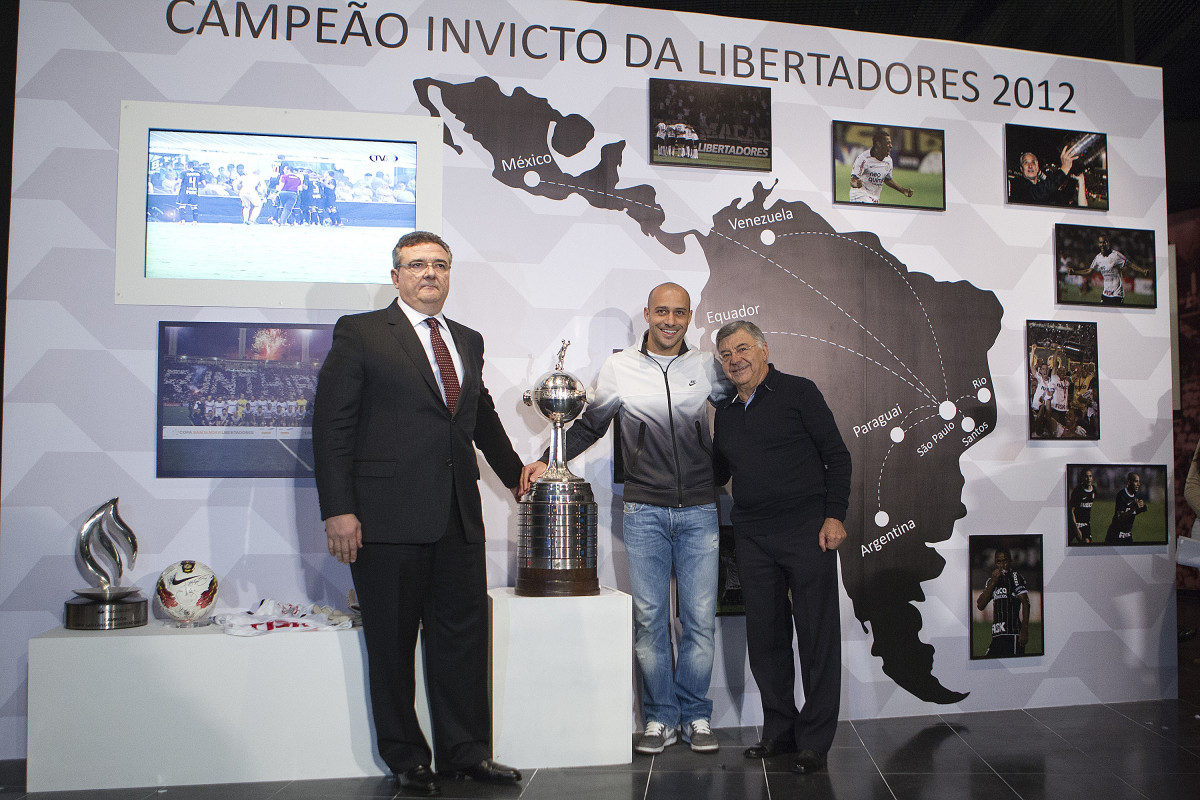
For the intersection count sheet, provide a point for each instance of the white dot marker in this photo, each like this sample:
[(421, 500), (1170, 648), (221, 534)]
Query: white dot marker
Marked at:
[(897, 434), (968, 424), (947, 410), (984, 395), (881, 519), (532, 179), (767, 237)]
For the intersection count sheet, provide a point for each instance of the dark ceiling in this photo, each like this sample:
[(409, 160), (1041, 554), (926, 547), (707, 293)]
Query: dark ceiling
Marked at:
[(1158, 33)]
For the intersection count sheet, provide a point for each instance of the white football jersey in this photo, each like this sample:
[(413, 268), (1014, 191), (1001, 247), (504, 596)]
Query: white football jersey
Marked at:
[(872, 172)]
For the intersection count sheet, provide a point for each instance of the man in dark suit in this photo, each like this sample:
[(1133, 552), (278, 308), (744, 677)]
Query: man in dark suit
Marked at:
[(400, 408)]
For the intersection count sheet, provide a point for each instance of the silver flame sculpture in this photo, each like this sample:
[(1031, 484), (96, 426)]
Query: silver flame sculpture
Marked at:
[(106, 548), (556, 536)]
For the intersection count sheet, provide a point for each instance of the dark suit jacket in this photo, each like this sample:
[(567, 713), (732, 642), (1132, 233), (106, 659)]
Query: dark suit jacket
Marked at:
[(386, 446)]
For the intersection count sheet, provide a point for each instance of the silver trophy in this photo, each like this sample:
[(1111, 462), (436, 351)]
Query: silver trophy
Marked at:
[(105, 547), (556, 536)]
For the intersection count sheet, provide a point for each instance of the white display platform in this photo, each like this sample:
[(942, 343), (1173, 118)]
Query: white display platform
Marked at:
[(159, 706), (562, 679)]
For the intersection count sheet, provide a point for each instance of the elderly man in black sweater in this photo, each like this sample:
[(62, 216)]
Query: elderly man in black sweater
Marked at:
[(791, 486)]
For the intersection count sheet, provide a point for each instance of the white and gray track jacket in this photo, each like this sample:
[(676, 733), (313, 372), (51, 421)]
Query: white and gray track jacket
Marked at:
[(666, 445)]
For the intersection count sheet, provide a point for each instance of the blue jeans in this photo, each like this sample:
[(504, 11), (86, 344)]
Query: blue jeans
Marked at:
[(687, 538)]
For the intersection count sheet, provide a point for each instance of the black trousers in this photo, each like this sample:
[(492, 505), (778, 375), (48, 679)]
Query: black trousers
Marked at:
[(770, 566), (441, 589)]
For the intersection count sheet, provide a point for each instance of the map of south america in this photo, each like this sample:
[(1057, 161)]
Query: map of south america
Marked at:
[(901, 358)]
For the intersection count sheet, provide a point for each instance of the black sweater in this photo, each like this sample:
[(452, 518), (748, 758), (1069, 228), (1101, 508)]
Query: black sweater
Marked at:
[(785, 455)]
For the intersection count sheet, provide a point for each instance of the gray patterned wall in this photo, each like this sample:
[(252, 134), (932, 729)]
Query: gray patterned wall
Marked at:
[(531, 269)]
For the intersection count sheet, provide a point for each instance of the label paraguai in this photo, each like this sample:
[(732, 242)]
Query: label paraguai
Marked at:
[(876, 423)]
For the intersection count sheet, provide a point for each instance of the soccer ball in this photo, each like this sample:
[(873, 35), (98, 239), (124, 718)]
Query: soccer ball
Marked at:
[(186, 591)]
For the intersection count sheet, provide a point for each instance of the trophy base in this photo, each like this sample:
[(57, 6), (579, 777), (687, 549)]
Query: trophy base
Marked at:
[(85, 614), (533, 582)]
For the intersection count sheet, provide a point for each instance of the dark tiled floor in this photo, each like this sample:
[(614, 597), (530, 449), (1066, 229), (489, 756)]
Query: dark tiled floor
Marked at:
[(1140, 751), (1125, 751)]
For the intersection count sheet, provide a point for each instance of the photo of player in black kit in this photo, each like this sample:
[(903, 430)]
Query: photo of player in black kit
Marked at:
[(190, 182), (1130, 499), (1127, 506), (1005, 590), (1006, 574), (1079, 509)]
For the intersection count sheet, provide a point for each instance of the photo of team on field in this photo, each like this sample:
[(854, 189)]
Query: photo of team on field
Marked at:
[(889, 165), (1064, 395), (1006, 591), (1118, 505), (695, 124), (291, 208), (1104, 266), (236, 399)]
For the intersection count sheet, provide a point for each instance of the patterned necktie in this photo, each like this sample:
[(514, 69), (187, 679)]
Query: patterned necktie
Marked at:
[(445, 365)]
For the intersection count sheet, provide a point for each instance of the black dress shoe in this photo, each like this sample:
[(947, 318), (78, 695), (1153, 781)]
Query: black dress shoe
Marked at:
[(418, 780), (487, 771), (807, 761), (767, 748)]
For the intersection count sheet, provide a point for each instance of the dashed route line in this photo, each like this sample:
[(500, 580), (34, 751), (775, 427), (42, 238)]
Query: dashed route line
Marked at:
[(833, 303), (589, 190), (903, 277), (883, 463), (922, 390)]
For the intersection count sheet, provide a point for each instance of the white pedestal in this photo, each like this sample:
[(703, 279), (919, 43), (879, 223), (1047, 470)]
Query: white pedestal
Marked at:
[(159, 705), (562, 679)]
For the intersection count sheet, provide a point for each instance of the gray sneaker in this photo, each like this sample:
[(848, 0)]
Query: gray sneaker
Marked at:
[(699, 735), (655, 738)]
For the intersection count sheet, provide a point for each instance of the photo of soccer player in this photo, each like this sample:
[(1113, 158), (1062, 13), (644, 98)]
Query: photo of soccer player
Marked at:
[(888, 165), (1097, 266), (1052, 167), (1006, 596), (1064, 399), (695, 124), (1119, 505), (235, 398)]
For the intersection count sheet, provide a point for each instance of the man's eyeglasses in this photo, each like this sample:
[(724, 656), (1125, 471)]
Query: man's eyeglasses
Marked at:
[(417, 267), (741, 350)]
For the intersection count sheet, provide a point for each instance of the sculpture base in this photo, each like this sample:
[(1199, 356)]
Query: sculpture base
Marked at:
[(533, 582), (85, 614)]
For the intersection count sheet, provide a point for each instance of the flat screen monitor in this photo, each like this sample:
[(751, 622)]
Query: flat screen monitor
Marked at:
[(269, 208)]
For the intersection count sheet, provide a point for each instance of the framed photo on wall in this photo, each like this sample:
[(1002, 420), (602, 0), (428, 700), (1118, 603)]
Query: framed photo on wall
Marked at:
[(889, 165), (235, 399), (1053, 167), (1064, 398), (696, 124), (1119, 505), (1006, 596), (1097, 266)]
